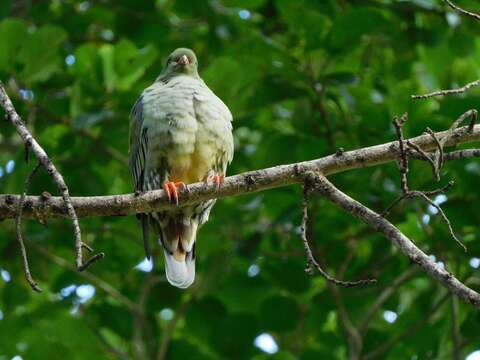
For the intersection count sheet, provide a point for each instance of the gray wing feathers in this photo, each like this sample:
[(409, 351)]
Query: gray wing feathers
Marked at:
[(138, 145), (137, 161)]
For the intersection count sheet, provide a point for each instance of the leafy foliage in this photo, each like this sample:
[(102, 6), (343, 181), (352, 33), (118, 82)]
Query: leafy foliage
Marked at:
[(302, 78)]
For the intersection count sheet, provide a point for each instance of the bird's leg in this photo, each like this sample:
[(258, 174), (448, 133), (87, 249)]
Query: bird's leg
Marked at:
[(217, 180), (170, 189)]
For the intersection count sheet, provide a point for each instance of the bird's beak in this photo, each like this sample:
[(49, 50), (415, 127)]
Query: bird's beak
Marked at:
[(183, 60)]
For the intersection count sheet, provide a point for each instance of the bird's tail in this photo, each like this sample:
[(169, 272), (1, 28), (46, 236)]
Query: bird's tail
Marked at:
[(178, 236)]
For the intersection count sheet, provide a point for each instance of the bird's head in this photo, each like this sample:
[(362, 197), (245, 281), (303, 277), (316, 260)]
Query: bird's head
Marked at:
[(182, 61)]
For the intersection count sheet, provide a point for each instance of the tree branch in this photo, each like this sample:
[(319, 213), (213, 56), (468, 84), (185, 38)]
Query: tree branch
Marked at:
[(436, 161), (460, 90), (462, 154), (31, 143), (311, 261), (248, 182), (403, 162), (463, 11), (18, 226), (399, 240)]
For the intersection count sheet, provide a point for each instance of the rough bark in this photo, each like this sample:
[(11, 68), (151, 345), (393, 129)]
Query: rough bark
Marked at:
[(253, 181)]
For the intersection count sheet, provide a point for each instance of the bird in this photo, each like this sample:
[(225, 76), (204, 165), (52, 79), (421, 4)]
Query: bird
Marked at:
[(180, 133)]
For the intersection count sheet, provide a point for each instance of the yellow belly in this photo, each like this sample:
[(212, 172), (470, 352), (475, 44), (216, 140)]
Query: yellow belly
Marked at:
[(190, 168)]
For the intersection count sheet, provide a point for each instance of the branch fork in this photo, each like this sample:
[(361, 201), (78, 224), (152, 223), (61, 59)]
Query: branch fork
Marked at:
[(436, 160), (376, 221)]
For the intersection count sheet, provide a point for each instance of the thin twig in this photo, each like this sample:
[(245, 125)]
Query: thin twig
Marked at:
[(85, 265), (87, 247), (463, 11), (438, 155), (423, 154), (449, 156), (441, 190), (353, 338), (444, 217), (403, 163), (462, 154), (424, 195), (472, 113), (447, 92), (311, 262), (18, 225), (43, 158), (394, 203), (436, 162)]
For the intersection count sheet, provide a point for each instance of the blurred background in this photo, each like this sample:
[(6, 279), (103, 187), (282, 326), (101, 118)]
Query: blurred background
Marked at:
[(302, 79)]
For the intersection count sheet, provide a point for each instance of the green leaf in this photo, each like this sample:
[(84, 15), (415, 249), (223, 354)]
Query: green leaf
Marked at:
[(348, 28), (302, 17), (13, 33), (107, 53), (124, 64), (131, 63), (40, 53), (87, 66)]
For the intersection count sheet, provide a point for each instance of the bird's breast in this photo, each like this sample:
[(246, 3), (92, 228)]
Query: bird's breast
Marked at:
[(179, 137)]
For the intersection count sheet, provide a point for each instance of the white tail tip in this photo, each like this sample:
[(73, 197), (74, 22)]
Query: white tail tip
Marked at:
[(180, 273)]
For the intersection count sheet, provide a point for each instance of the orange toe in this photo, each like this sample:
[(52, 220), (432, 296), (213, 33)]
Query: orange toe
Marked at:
[(217, 180), (180, 185), (174, 192), (166, 188), (171, 189)]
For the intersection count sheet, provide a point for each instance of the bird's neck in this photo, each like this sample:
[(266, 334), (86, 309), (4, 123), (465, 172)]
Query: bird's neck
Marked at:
[(168, 76)]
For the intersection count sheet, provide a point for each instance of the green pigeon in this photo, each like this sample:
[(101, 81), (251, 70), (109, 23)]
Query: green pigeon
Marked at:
[(180, 133)]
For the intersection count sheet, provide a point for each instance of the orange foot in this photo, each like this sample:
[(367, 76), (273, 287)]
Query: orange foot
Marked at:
[(170, 188), (217, 180)]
